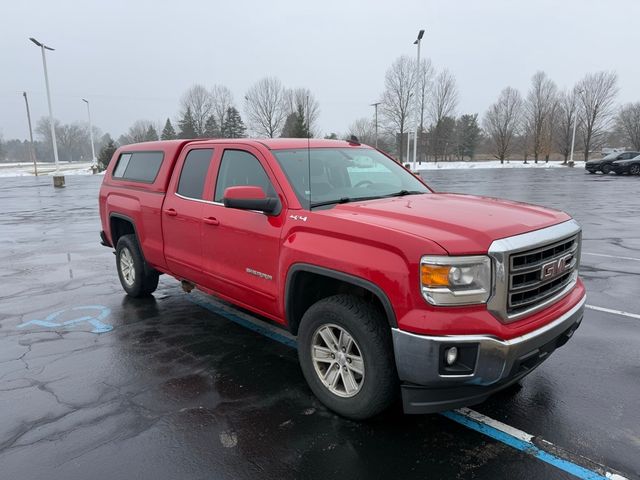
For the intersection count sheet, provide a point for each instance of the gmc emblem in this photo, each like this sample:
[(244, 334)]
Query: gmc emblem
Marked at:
[(556, 267)]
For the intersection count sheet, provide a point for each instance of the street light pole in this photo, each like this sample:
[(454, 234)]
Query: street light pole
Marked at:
[(375, 106), (58, 180), (418, 99), (573, 137), (31, 152), (93, 150)]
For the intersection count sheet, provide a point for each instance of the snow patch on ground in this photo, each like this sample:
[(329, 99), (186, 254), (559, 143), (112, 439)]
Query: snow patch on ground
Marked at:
[(489, 164), (26, 169)]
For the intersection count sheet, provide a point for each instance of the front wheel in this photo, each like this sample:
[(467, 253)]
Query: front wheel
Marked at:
[(136, 278), (346, 355), (606, 169)]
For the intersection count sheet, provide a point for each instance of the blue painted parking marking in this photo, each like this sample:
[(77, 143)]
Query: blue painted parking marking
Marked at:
[(543, 450), (95, 320)]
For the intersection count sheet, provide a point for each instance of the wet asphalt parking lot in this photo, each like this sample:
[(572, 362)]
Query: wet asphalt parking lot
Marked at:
[(96, 385)]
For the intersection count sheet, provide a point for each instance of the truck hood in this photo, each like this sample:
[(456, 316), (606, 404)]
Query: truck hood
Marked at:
[(461, 224)]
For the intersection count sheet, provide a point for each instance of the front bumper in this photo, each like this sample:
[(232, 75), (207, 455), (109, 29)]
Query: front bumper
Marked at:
[(497, 363)]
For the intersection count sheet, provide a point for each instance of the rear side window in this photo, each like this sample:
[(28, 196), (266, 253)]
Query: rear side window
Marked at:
[(194, 173), (138, 166), (241, 168)]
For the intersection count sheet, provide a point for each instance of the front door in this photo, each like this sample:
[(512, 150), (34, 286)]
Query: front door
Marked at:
[(241, 247)]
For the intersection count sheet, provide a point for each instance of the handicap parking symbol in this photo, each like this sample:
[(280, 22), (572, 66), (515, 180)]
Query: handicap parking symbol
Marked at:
[(96, 320)]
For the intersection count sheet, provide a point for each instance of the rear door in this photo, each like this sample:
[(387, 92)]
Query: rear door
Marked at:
[(182, 213), (241, 247)]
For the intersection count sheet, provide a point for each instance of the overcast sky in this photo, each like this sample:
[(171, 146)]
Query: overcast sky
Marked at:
[(133, 59)]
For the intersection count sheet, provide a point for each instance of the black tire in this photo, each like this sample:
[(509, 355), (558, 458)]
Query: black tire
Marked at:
[(145, 279), (372, 334), (634, 169), (606, 169)]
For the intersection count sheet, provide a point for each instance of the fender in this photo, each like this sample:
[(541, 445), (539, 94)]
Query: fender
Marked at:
[(345, 277)]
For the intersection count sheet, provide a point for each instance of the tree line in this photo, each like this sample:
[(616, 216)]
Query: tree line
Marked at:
[(416, 97)]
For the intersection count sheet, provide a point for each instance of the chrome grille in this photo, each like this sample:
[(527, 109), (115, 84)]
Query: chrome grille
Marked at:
[(528, 285), (534, 270)]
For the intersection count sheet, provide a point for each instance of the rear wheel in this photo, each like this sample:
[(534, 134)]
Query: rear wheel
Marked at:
[(346, 355), (136, 278), (606, 169), (635, 169)]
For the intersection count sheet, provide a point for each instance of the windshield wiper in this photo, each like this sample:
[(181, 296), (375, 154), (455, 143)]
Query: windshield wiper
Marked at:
[(342, 200), (402, 193), (331, 202)]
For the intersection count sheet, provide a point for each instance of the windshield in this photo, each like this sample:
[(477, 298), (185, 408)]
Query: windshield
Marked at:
[(340, 175)]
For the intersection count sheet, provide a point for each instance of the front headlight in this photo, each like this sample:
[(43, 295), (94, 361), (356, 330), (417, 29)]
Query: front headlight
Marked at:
[(455, 280)]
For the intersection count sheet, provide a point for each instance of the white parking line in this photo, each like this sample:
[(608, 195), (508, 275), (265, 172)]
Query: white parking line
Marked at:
[(611, 256), (615, 312)]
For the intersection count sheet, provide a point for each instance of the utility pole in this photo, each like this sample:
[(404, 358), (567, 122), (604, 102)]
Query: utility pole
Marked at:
[(575, 123), (93, 149), (375, 106), (31, 152), (58, 179), (418, 98)]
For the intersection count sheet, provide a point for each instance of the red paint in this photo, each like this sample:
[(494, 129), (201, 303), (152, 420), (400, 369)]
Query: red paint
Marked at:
[(378, 240)]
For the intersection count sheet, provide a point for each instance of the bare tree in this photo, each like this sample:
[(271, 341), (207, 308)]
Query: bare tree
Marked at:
[(444, 97), (137, 132), (301, 99), (628, 123), (596, 96), (364, 129), (198, 99), (442, 105), (265, 105), (396, 104), (221, 101), (539, 107), (502, 120), (563, 126)]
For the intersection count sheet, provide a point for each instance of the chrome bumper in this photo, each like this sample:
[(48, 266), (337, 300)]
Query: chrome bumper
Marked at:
[(418, 356)]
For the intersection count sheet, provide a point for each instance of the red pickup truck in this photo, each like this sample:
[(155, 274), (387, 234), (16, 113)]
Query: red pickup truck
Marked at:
[(388, 285)]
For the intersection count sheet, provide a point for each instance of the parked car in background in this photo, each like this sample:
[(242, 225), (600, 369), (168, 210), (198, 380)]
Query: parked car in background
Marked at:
[(605, 164), (631, 166)]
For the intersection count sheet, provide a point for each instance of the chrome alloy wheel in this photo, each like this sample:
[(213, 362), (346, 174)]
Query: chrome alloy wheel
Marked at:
[(337, 360), (126, 267)]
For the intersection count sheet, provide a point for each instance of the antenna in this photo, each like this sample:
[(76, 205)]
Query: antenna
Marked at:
[(309, 150)]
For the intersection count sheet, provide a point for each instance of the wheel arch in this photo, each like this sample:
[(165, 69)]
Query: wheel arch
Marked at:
[(324, 282)]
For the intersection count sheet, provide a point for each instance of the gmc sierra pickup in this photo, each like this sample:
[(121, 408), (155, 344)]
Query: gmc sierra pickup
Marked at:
[(388, 285)]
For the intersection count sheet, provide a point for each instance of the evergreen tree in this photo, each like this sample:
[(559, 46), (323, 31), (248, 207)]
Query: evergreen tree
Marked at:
[(211, 129), (467, 135), (233, 126), (168, 132), (295, 125), (301, 129), (187, 125), (151, 135), (106, 152), (289, 125)]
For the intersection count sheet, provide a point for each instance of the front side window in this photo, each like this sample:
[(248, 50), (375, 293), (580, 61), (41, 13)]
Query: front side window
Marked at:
[(138, 166), (194, 173), (241, 168), (322, 176)]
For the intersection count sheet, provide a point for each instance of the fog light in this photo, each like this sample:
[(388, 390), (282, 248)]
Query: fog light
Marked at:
[(451, 355)]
